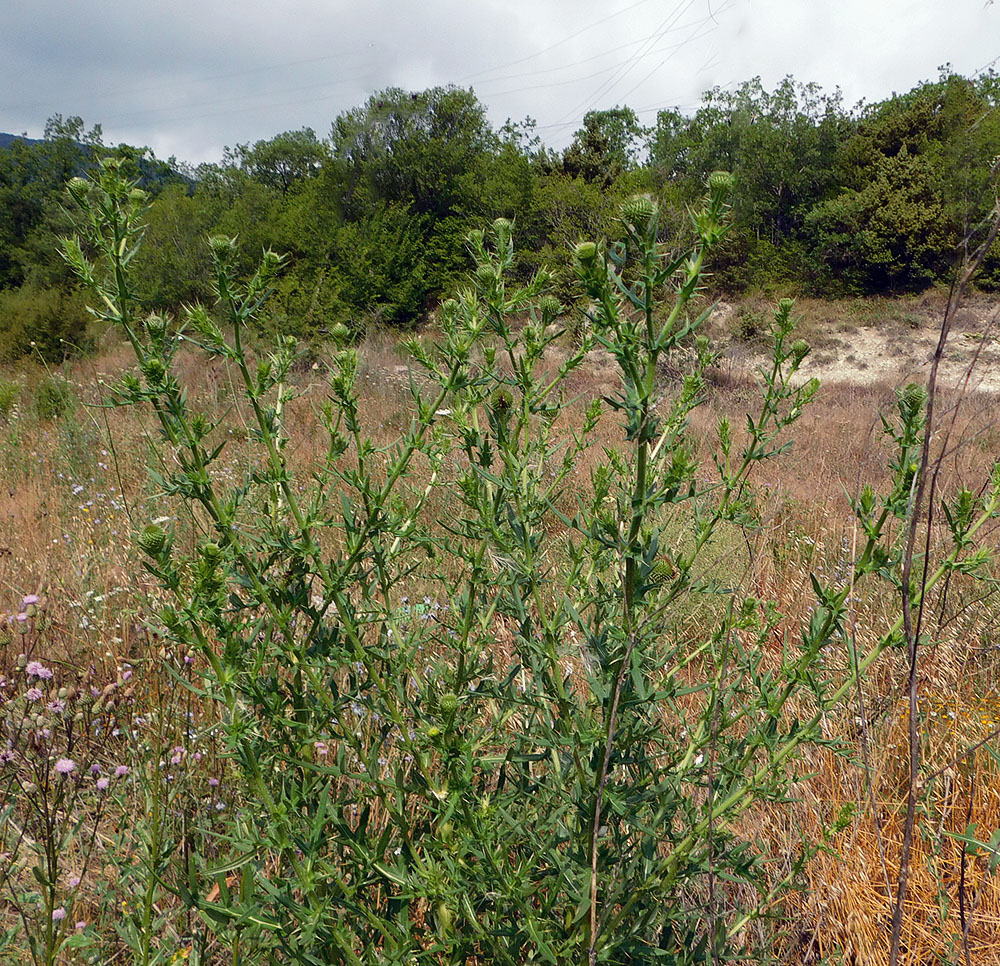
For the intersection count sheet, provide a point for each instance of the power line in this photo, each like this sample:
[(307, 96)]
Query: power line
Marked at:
[(682, 7), (558, 43), (670, 48), (587, 60)]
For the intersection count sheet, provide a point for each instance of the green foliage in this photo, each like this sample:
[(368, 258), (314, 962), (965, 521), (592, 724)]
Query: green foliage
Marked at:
[(384, 264), (411, 794), (374, 217), (916, 180), (171, 263), (418, 149), (53, 398), (9, 392), (50, 323), (605, 147), (889, 235), (283, 162), (779, 145)]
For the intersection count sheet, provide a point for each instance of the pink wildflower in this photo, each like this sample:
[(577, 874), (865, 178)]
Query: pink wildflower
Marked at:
[(36, 669)]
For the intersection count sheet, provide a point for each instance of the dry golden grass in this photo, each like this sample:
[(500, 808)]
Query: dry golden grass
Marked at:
[(70, 503)]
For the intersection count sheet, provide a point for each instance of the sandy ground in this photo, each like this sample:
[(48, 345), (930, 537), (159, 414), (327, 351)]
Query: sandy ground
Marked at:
[(891, 348), (855, 342)]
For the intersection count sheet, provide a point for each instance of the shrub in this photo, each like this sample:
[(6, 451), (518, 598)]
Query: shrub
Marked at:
[(9, 391), (53, 397), (528, 766), (50, 323)]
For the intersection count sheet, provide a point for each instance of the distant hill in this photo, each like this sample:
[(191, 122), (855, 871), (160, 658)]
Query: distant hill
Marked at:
[(153, 174), (7, 139)]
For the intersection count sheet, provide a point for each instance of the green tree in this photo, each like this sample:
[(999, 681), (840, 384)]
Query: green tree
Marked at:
[(171, 263), (780, 146), (419, 149), (605, 147), (282, 162), (915, 178)]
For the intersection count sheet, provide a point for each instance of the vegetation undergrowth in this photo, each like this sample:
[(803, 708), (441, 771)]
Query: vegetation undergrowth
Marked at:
[(538, 762)]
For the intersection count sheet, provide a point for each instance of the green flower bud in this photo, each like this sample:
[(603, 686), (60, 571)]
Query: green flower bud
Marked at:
[(221, 246), (154, 370), (485, 274), (152, 539), (721, 183), (585, 253), (662, 572), (210, 551), (550, 307), (913, 397), (78, 187), (639, 209), (502, 400), (156, 326), (448, 703), (340, 333), (503, 229), (800, 349)]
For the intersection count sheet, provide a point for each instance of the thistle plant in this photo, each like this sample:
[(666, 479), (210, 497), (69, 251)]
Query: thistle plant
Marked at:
[(533, 764)]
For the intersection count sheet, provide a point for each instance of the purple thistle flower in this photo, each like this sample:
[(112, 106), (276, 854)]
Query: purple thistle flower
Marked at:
[(82, 924), (213, 782), (36, 669), (33, 694), (58, 914), (121, 771), (95, 769), (28, 599), (65, 766), (102, 784)]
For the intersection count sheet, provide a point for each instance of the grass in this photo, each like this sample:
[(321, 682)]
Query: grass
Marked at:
[(75, 493)]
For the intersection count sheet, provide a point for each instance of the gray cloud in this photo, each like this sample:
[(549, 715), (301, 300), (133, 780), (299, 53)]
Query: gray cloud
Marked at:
[(189, 77)]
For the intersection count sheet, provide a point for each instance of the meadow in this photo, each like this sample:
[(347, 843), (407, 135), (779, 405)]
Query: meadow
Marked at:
[(365, 654)]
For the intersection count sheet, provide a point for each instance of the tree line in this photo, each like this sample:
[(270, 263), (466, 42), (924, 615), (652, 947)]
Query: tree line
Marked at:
[(828, 200)]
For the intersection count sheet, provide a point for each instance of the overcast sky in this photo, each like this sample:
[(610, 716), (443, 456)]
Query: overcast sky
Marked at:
[(188, 77)]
